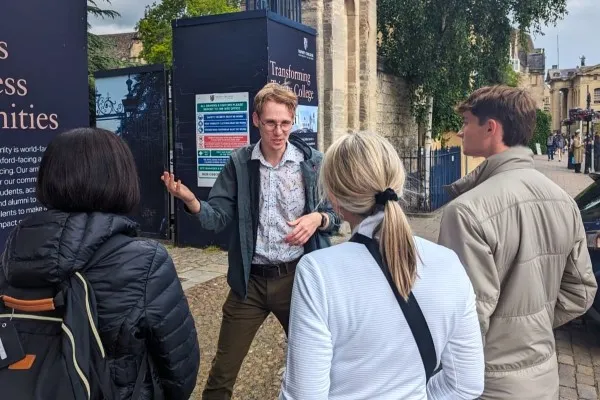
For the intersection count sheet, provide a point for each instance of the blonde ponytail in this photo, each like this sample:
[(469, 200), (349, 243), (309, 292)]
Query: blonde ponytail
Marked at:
[(398, 248), (358, 167)]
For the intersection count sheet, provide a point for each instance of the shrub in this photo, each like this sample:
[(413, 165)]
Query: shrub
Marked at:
[(542, 131)]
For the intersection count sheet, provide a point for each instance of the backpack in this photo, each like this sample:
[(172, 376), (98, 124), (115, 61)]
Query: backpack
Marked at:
[(50, 347)]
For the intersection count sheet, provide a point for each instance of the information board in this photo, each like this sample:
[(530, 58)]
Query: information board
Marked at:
[(222, 125)]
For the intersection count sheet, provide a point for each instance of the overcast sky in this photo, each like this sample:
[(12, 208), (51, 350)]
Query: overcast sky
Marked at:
[(131, 11), (576, 32)]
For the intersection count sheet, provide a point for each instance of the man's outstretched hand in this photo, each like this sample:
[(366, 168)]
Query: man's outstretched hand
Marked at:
[(179, 190)]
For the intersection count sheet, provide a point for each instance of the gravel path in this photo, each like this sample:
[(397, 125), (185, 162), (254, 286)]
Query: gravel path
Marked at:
[(259, 378)]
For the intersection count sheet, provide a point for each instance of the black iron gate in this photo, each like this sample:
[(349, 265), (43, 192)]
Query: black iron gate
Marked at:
[(132, 102)]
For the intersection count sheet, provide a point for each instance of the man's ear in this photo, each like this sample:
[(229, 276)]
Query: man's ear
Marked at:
[(494, 127), (255, 119)]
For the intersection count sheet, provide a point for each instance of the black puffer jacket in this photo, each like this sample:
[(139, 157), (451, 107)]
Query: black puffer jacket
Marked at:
[(140, 302)]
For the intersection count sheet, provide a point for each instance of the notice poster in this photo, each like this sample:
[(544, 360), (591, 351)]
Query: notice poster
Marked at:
[(222, 125)]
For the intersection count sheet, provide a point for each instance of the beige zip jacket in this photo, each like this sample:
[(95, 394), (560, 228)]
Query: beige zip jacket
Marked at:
[(522, 242)]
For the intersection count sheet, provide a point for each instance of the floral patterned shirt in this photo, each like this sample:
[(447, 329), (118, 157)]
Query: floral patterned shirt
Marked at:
[(281, 200)]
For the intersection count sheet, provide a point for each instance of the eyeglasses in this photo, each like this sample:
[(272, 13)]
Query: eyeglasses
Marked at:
[(271, 125)]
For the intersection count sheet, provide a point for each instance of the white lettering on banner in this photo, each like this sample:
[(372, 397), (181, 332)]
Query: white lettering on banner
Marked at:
[(18, 174)]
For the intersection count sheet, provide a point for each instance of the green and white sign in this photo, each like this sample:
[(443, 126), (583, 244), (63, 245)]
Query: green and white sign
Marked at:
[(222, 125)]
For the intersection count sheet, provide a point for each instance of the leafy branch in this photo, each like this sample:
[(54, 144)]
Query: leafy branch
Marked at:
[(155, 27), (446, 48)]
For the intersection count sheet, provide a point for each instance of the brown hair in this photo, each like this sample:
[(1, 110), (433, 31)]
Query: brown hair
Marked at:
[(355, 168), (514, 108), (277, 93)]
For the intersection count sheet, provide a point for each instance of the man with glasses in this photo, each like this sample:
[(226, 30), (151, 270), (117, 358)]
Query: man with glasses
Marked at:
[(269, 192)]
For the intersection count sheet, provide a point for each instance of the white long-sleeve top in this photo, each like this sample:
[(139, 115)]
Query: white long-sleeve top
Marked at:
[(348, 338)]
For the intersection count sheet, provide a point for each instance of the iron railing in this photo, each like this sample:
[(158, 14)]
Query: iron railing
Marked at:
[(424, 190), (291, 9)]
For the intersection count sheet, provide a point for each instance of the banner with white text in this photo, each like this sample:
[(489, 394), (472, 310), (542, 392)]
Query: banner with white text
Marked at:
[(292, 62), (43, 91)]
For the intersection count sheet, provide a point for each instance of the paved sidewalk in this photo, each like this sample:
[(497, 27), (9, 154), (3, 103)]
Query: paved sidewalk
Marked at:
[(567, 179)]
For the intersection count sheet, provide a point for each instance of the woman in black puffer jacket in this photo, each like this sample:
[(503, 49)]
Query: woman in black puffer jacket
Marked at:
[(88, 182)]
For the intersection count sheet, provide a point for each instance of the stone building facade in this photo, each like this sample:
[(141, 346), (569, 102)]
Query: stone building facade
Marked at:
[(569, 89), (125, 46), (355, 92), (531, 77)]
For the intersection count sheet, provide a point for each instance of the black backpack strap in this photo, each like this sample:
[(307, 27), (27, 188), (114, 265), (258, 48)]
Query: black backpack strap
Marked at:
[(412, 312)]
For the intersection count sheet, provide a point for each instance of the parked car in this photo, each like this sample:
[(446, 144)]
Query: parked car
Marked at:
[(589, 205)]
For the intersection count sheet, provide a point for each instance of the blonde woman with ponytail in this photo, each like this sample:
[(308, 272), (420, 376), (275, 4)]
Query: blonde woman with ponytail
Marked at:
[(386, 315)]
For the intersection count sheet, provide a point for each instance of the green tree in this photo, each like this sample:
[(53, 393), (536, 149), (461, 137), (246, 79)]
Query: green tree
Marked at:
[(543, 129), (155, 27), (99, 57), (445, 48), (510, 77)]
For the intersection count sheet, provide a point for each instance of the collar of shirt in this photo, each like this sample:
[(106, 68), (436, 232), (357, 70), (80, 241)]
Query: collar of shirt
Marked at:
[(291, 154), (368, 225)]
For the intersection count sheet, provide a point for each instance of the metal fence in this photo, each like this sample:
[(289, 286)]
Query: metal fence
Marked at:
[(291, 9), (424, 188)]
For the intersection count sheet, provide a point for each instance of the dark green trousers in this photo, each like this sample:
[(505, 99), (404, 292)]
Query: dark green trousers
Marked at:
[(241, 320)]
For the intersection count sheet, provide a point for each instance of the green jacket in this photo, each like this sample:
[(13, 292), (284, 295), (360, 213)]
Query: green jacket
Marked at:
[(235, 197)]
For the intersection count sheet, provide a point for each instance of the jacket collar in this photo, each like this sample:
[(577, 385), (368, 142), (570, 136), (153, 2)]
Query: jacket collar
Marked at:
[(518, 157), (308, 152), (291, 153)]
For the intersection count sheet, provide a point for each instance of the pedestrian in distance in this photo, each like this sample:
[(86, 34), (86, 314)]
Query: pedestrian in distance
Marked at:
[(559, 144), (522, 241), (597, 152), (578, 151), (550, 147)]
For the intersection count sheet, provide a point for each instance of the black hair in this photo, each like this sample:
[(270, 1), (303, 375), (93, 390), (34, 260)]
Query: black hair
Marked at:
[(88, 170)]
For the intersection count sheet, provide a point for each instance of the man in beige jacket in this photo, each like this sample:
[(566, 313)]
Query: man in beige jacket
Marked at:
[(522, 241)]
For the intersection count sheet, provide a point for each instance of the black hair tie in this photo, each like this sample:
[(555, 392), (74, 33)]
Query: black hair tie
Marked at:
[(388, 194)]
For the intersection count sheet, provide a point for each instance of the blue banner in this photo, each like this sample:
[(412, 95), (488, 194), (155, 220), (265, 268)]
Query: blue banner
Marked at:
[(292, 61), (43, 91)]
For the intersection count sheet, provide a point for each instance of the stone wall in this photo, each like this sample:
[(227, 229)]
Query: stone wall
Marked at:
[(346, 65), (394, 119), (534, 84)]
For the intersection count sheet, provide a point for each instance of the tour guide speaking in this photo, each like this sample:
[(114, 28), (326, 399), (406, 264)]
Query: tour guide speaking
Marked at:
[(269, 190)]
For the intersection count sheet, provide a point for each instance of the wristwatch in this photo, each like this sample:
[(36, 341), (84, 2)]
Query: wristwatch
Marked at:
[(323, 220)]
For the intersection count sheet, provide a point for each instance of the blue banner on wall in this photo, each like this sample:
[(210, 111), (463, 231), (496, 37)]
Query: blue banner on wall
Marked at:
[(292, 62), (43, 91)]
